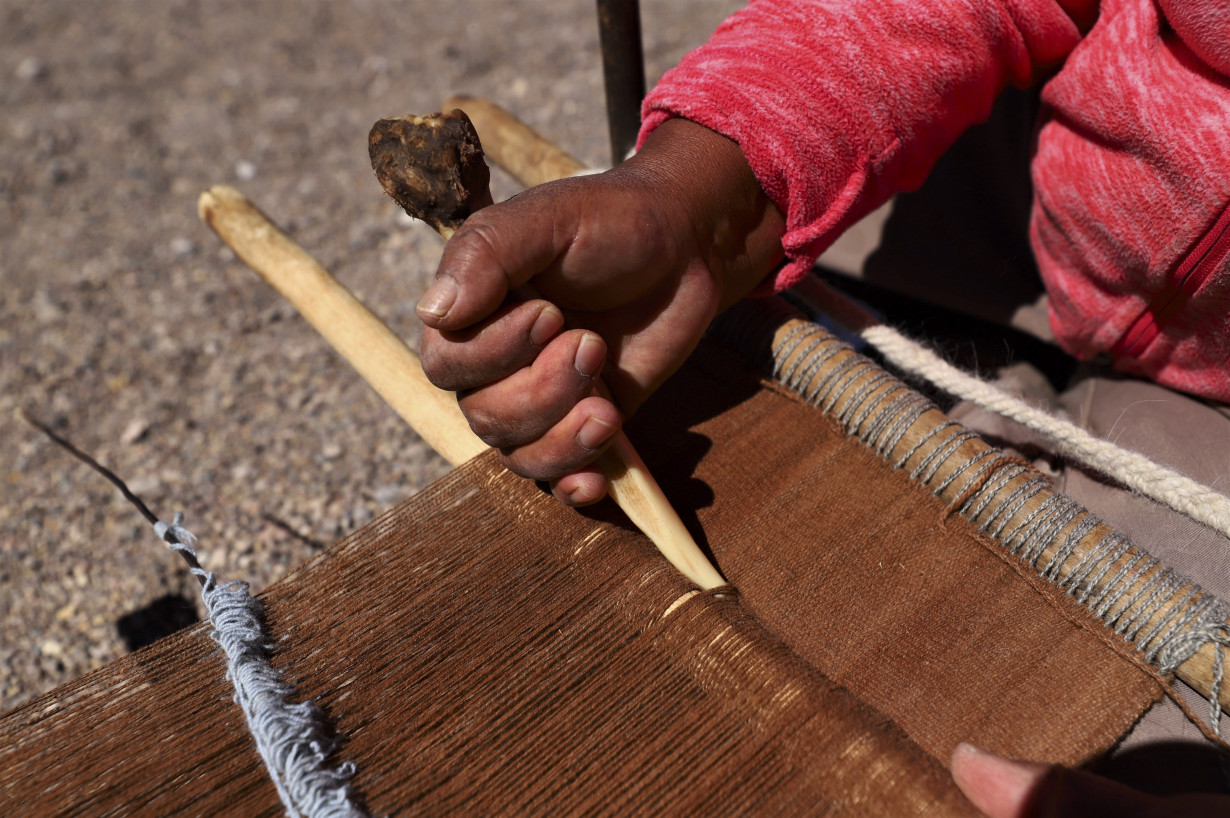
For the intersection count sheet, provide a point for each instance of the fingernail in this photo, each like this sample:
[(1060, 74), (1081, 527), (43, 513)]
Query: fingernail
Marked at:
[(1023, 774), (439, 298), (548, 322), (590, 354), (594, 433), (965, 748), (580, 497), (989, 780)]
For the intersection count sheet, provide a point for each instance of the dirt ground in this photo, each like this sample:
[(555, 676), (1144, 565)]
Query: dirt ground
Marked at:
[(127, 326)]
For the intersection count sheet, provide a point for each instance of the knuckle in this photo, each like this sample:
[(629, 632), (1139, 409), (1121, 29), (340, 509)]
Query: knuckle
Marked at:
[(495, 430), (438, 371), (486, 427), (434, 372), (547, 462), (478, 238), (533, 467), (445, 364), (522, 467)]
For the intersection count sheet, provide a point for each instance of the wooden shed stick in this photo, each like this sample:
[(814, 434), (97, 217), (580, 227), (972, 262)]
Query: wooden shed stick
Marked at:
[(382, 358)]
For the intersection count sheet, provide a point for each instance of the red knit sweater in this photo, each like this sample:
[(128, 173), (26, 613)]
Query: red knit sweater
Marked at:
[(839, 104)]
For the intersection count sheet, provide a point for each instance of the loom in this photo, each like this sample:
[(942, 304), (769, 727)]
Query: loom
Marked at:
[(899, 586)]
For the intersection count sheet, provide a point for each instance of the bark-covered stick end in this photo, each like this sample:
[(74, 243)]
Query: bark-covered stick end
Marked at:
[(432, 166)]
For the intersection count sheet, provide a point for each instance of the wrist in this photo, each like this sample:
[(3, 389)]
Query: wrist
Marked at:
[(735, 226)]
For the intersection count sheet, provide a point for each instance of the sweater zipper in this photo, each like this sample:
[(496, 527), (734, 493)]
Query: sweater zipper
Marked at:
[(1203, 260)]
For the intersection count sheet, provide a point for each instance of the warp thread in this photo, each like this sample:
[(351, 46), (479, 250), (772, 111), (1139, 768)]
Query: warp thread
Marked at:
[(293, 739)]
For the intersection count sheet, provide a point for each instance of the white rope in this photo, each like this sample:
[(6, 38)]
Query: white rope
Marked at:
[(1133, 469)]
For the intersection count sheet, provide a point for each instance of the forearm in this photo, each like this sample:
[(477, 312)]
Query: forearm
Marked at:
[(839, 104)]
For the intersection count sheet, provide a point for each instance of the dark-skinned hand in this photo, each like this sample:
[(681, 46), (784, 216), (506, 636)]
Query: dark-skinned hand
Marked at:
[(627, 269)]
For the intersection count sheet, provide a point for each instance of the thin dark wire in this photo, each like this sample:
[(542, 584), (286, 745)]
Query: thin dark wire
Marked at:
[(188, 555), (94, 464)]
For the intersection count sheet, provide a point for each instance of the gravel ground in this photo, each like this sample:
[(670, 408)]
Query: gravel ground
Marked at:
[(128, 327)]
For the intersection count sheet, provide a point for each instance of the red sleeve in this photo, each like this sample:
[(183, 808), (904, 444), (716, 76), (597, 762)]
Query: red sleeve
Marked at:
[(839, 104)]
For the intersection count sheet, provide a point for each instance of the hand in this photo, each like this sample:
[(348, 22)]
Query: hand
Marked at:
[(629, 267), (1002, 788)]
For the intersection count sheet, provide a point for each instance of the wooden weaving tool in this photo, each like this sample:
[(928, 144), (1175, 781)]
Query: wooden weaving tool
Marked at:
[(433, 167)]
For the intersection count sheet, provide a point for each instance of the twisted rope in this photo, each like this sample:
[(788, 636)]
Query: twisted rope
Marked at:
[(294, 740), (1133, 469)]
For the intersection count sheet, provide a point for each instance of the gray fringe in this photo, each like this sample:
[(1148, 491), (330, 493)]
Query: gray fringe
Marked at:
[(293, 739)]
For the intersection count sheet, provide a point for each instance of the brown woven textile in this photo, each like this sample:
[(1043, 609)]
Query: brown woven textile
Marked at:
[(876, 584), (482, 649)]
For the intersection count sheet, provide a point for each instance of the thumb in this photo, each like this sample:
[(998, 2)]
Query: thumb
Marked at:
[(497, 249), (997, 786), (1003, 788)]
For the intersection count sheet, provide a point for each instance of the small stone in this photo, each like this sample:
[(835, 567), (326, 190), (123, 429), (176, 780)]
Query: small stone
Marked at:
[(376, 64), (358, 516), (60, 170), (387, 495), (52, 649), (144, 484), (245, 171), (44, 307), (331, 450), (31, 68), (134, 431), (182, 246)]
